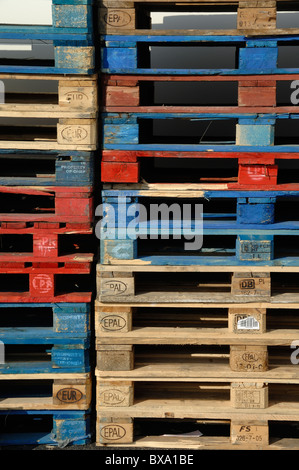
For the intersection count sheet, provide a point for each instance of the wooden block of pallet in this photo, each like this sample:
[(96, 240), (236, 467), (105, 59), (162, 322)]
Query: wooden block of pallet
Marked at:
[(249, 358), (113, 319), (256, 284), (115, 357), (247, 320), (244, 395), (113, 430), (251, 434)]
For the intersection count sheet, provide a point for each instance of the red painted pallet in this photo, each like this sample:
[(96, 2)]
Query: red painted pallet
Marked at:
[(238, 94), (234, 170), (46, 204), (68, 281), (43, 241)]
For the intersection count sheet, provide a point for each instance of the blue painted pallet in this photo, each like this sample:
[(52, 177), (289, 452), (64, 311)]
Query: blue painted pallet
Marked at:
[(71, 357), (259, 55), (252, 132), (62, 427), (254, 226), (70, 323), (70, 57), (72, 20), (49, 168)]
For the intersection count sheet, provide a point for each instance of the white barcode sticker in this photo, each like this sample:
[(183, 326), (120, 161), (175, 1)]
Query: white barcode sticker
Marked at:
[(249, 323)]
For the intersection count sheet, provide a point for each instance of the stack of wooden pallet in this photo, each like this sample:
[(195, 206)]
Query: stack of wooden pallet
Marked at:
[(48, 141), (198, 340)]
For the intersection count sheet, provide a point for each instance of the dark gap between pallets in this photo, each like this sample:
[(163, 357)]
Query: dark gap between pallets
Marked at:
[(28, 165), (28, 129), (286, 319), (187, 131), (187, 56), (188, 170), (28, 353), (206, 282), (25, 388), (18, 317), (189, 93), (67, 244), (14, 424), (24, 203)]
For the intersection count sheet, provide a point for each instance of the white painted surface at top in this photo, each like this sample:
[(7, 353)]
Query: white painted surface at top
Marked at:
[(24, 12)]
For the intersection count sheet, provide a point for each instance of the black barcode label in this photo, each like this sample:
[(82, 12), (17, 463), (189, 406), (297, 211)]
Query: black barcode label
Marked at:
[(249, 323)]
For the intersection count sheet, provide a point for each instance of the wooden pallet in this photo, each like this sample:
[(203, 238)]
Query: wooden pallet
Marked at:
[(23, 204), (40, 282), (44, 245), (198, 132), (148, 93), (47, 168), (62, 134), (69, 96), (71, 19), (137, 227), (156, 395), (237, 432), (198, 170), (46, 391), (141, 285), (125, 324), (252, 18), (40, 427), (132, 54), (245, 355)]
